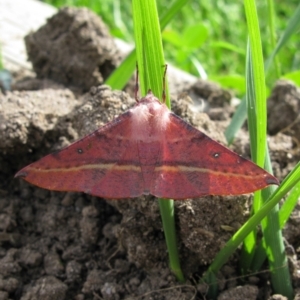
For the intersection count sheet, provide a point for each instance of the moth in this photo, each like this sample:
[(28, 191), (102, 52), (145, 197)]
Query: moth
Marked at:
[(147, 150)]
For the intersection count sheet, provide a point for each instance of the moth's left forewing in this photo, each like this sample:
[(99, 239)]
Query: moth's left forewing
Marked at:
[(104, 163)]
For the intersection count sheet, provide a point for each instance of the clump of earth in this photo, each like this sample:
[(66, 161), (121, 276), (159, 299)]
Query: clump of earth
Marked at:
[(64, 245)]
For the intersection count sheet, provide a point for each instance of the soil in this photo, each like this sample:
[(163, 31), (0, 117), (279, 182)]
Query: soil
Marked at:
[(56, 245)]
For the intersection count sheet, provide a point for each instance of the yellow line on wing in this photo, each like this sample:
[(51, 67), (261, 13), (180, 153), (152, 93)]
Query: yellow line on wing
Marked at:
[(115, 167), (186, 169), (89, 167)]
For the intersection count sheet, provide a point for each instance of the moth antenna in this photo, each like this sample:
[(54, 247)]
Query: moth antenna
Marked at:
[(136, 83), (164, 84)]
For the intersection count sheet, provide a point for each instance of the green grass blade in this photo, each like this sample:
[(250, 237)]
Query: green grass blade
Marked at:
[(257, 112), (172, 10), (149, 49), (272, 30), (166, 207), (119, 78), (255, 96), (292, 27), (221, 258), (240, 115), (274, 245), (289, 205), (255, 88), (237, 121), (290, 181), (150, 58), (257, 108), (284, 214), (249, 245), (251, 104)]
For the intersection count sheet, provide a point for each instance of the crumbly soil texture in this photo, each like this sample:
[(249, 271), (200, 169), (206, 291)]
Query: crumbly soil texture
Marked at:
[(64, 245)]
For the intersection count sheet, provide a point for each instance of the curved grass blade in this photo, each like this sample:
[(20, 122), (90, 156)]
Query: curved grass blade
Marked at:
[(284, 214), (289, 182)]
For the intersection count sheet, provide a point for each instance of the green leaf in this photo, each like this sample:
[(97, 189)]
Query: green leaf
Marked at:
[(172, 37), (227, 46), (232, 81), (194, 36), (293, 76)]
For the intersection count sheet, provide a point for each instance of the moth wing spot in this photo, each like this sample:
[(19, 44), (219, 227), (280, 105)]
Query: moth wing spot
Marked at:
[(79, 151)]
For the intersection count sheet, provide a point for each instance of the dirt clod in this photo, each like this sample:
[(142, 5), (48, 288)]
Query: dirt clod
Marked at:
[(74, 48), (284, 109), (240, 292), (47, 288)]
